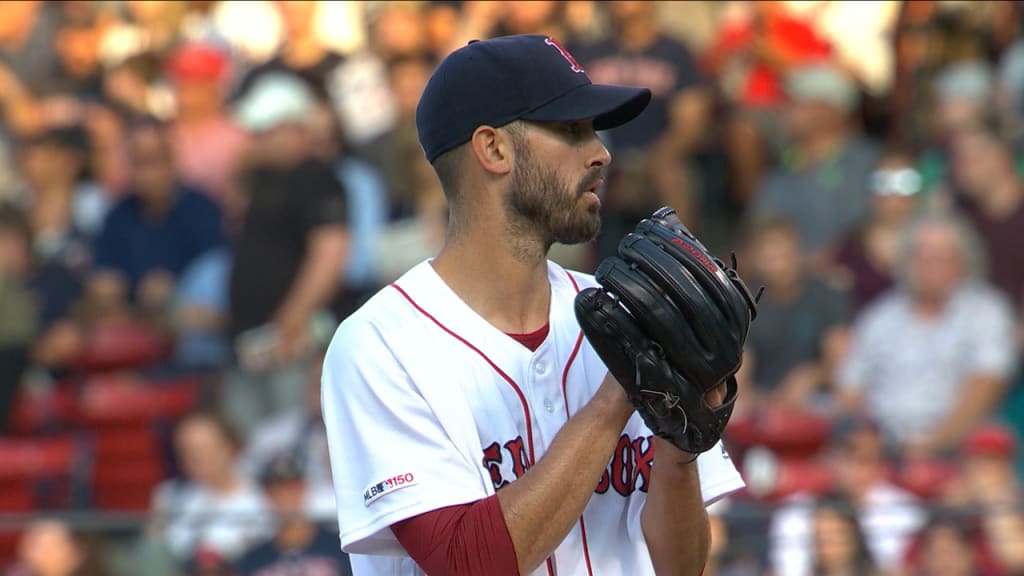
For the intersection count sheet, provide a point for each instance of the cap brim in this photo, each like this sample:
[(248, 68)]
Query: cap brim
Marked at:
[(609, 106)]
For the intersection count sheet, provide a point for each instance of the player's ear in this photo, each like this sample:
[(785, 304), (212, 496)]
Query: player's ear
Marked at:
[(492, 149)]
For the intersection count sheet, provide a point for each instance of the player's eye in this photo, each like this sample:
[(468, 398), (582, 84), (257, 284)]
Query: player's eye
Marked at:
[(574, 129)]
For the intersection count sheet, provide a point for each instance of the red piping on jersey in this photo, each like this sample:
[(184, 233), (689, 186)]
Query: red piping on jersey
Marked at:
[(506, 377), (565, 400), (522, 398)]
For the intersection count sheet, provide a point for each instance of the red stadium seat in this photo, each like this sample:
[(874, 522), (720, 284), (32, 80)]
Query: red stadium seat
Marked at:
[(124, 415), (28, 465), (771, 479), (34, 412), (34, 458), (124, 399), (791, 434), (118, 345), (925, 477)]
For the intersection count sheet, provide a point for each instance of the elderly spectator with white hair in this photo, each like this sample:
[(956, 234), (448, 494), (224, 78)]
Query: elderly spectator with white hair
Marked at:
[(932, 357)]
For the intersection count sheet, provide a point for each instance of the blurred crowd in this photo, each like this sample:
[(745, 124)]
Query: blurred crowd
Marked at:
[(193, 194)]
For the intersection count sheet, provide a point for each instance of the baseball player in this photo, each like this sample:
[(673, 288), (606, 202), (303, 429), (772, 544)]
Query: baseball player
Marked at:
[(472, 427)]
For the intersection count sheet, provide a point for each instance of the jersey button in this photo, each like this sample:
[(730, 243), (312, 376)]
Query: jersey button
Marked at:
[(540, 368), (549, 405)]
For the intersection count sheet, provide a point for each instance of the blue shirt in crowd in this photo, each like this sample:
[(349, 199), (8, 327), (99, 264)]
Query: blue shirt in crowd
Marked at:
[(134, 244)]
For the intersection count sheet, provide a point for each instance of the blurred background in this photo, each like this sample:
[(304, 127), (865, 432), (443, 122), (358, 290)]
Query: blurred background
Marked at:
[(193, 194)]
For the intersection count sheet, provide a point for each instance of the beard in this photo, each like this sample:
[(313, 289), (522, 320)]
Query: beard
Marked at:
[(541, 206)]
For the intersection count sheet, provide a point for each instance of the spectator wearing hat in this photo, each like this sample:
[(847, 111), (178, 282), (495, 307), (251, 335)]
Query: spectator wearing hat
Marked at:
[(299, 432), (820, 185), (289, 255), (300, 546), (208, 144), (989, 491)]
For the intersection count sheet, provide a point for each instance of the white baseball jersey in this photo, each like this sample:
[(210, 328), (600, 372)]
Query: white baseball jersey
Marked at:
[(428, 405)]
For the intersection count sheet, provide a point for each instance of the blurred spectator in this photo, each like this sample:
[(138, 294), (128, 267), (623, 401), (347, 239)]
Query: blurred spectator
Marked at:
[(50, 548), (213, 512), (532, 17), (651, 154), (66, 212), (962, 100), (726, 557), (300, 433), (293, 245), (992, 197), (931, 358), (199, 313), (398, 148), (366, 199), (989, 490), (300, 546), (77, 41), (207, 143), (839, 547), (131, 87), (863, 262), (949, 546), (887, 515), (17, 318), (416, 206), (929, 36), (27, 47), (756, 47), (802, 323), (150, 236), (303, 53), (820, 185), (66, 208)]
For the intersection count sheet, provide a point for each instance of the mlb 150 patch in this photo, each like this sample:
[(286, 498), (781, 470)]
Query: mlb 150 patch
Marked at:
[(375, 491)]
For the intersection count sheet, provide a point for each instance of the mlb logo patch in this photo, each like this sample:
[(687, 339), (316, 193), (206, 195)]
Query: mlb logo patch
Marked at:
[(375, 491)]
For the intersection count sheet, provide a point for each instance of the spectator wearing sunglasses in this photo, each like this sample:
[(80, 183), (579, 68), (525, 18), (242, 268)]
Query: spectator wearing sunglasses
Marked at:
[(862, 262)]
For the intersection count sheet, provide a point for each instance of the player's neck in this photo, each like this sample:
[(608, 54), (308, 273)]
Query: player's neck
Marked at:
[(510, 292)]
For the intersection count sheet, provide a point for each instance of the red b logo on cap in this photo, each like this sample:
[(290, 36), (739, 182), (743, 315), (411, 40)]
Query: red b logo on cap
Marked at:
[(565, 54)]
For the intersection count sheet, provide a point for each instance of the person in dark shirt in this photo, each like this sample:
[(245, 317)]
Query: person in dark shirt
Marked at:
[(651, 151), (151, 235), (801, 325), (300, 546), (290, 253), (864, 262), (991, 195)]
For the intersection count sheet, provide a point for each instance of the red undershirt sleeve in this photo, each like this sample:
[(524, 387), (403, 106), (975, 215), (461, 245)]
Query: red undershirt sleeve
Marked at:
[(462, 540)]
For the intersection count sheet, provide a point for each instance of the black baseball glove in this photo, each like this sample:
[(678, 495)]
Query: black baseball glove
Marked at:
[(670, 322)]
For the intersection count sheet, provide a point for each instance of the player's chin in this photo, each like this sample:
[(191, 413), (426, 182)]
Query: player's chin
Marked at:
[(584, 228)]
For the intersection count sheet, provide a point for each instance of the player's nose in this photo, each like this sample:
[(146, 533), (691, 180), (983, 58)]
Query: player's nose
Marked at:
[(600, 156)]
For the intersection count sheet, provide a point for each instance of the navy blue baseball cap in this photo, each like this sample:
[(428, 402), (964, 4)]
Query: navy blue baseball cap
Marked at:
[(526, 77)]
